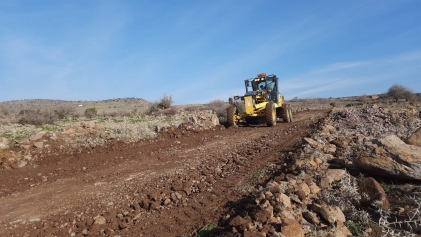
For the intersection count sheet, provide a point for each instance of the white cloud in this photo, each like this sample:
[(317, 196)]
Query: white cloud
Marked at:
[(341, 66), (353, 76)]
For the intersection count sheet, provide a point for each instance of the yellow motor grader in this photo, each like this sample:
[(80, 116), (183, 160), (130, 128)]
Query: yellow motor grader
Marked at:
[(262, 103)]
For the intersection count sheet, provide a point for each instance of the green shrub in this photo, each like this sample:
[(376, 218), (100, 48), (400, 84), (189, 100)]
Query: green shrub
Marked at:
[(204, 231), (91, 112)]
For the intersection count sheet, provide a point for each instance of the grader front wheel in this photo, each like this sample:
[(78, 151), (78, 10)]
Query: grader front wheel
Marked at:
[(231, 116), (270, 114)]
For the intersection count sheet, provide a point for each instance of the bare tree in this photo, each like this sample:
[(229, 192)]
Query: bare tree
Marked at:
[(398, 92), (165, 102), (65, 110), (37, 117)]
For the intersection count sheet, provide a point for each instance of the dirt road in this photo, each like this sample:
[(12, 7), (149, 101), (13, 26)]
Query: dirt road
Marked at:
[(169, 186)]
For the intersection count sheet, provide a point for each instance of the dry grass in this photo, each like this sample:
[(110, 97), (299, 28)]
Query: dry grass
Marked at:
[(75, 108)]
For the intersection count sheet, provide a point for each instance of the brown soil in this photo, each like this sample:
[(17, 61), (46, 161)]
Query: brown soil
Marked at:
[(168, 186)]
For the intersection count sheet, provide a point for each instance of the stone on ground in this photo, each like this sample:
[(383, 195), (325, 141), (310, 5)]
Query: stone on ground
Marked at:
[(391, 157), (372, 192), (291, 228), (415, 138)]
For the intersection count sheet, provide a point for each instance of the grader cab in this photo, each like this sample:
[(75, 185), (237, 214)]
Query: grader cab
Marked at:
[(262, 103)]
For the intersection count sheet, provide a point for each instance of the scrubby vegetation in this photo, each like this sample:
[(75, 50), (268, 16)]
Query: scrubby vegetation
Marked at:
[(399, 92), (220, 108), (69, 109), (90, 112), (37, 117), (162, 106), (165, 102)]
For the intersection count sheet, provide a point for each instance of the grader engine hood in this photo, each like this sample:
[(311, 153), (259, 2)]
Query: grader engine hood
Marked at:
[(249, 101)]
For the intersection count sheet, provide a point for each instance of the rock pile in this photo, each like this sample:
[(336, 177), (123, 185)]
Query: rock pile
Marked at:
[(15, 160), (208, 119), (315, 195), (289, 207), (376, 122)]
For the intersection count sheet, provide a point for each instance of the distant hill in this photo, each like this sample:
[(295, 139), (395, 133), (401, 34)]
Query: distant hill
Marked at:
[(119, 105)]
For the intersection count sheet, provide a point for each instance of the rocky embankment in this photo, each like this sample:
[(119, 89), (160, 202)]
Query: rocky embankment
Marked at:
[(30, 143), (322, 190)]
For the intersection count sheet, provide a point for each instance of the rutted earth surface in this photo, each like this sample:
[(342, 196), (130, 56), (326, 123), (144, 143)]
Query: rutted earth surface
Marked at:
[(305, 178), (168, 186)]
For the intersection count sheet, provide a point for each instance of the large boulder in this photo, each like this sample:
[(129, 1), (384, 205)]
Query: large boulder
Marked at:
[(389, 156), (375, 194), (415, 138), (205, 119), (331, 214)]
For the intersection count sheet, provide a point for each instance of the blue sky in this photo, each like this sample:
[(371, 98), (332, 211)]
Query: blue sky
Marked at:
[(198, 51)]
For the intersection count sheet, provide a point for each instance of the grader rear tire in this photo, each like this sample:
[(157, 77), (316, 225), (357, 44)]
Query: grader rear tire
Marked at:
[(287, 116), (290, 115), (270, 114), (231, 116)]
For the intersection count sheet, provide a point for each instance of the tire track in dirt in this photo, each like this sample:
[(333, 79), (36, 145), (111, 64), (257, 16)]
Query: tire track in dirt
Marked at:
[(119, 179)]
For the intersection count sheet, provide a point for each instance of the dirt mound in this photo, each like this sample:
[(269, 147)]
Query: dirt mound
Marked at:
[(184, 129)]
